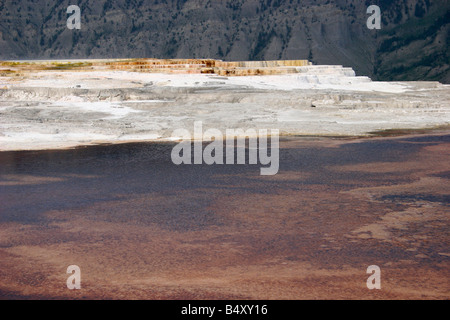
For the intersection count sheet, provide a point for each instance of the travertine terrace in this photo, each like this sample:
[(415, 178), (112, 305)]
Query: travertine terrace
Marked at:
[(182, 66), (65, 103)]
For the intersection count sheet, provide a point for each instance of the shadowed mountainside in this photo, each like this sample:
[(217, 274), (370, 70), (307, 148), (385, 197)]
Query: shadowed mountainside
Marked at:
[(412, 44)]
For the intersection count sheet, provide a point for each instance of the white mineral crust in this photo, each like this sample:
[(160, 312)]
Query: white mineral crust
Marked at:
[(49, 109)]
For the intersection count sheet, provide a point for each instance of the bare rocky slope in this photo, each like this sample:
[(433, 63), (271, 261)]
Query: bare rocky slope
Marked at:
[(412, 44)]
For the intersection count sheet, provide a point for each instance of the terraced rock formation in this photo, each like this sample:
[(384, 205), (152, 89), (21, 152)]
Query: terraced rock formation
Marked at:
[(52, 104), (183, 66)]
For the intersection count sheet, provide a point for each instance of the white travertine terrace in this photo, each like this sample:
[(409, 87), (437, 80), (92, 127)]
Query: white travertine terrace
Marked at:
[(51, 108)]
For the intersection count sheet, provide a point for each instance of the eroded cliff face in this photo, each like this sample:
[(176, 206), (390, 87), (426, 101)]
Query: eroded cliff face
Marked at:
[(412, 44)]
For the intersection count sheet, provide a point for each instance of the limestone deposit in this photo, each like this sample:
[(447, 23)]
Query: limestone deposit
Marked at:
[(58, 104), (183, 66)]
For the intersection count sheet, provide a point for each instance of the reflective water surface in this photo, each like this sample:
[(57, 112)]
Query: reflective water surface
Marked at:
[(141, 227)]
